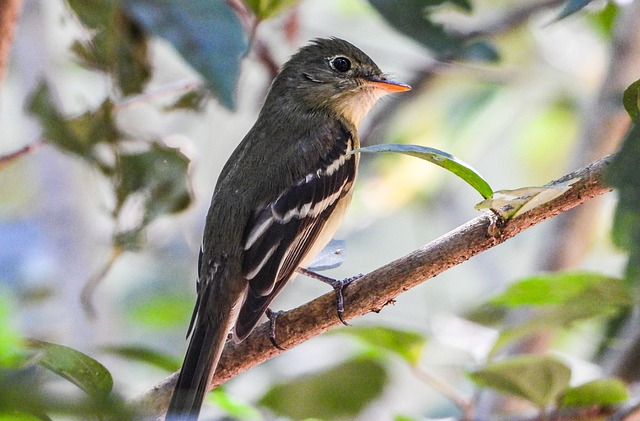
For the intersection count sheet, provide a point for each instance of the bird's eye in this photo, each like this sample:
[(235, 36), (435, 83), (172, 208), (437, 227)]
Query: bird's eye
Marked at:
[(341, 64)]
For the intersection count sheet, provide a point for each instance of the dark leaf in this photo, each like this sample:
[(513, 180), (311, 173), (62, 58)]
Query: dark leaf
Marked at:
[(159, 175), (412, 19), (340, 392), (79, 135), (80, 369), (145, 355), (440, 158), (631, 100), (539, 379), (205, 32), (623, 175), (571, 7), (194, 100)]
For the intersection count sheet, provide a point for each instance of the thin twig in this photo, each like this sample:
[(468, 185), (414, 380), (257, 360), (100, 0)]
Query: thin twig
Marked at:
[(445, 390), (30, 148)]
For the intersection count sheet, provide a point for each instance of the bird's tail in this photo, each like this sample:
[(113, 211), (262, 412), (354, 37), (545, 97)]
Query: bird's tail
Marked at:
[(205, 347)]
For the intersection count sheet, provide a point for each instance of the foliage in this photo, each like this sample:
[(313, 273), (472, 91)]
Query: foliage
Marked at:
[(142, 172)]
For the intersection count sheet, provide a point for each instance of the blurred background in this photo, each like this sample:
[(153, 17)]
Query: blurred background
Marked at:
[(532, 99)]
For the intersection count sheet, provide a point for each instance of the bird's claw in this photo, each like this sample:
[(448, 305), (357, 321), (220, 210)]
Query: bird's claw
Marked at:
[(272, 316)]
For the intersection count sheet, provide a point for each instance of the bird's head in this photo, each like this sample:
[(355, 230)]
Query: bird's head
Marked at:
[(334, 75)]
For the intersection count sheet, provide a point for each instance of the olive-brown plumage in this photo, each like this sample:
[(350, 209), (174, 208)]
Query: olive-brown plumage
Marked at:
[(278, 201)]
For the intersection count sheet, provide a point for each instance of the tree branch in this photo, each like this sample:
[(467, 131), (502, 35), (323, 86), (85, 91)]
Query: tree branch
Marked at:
[(375, 290), (8, 17)]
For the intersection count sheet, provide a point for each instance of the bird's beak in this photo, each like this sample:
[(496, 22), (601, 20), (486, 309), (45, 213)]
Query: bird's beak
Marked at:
[(388, 85)]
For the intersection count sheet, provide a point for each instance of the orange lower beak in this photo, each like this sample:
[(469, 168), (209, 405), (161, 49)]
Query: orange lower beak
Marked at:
[(389, 85)]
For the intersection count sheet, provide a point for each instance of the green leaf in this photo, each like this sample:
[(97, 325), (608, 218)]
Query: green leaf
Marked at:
[(631, 100), (80, 135), (623, 174), (205, 32), (539, 379), (604, 19), (118, 45), (194, 100), (155, 309), (265, 9), (340, 392), (591, 289), (440, 158), (160, 176), (145, 355), (601, 392), (80, 369), (571, 7), (11, 344), (413, 20), (234, 408), (407, 345)]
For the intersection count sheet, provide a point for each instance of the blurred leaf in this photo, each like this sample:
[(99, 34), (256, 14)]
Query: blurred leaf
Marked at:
[(440, 158), (80, 369), (155, 309), (512, 203), (194, 100), (265, 9), (205, 32), (604, 19), (145, 355), (117, 46), (11, 345), (591, 289), (160, 172), (234, 408), (412, 19), (631, 100), (330, 257), (571, 7), (482, 51), (559, 300), (623, 175), (79, 135), (407, 345), (339, 392), (537, 378), (601, 392)]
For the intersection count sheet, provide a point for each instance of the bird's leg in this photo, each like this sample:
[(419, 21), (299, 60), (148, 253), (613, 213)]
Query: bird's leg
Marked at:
[(272, 316), (338, 286)]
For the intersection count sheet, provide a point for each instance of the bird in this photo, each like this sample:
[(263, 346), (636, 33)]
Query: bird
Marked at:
[(278, 200)]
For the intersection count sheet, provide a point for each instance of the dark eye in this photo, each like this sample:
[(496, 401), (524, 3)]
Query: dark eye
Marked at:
[(341, 64)]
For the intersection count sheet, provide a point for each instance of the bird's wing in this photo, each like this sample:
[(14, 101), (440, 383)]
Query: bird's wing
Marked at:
[(281, 233)]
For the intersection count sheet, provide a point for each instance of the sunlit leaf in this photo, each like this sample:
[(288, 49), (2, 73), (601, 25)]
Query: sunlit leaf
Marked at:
[(160, 309), (205, 32), (440, 158), (145, 355), (234, 408), (330, 257), (631, 100), (539, 379), (11, 349), (336, 393), (592, 289), (512, 203), (601, 392), (265, 9), (407, 345), (80, 369)]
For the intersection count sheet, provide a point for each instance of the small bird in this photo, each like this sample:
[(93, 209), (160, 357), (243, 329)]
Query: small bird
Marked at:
[(278, 201)]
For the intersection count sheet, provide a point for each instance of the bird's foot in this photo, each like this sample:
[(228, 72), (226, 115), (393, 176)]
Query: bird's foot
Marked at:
[(272, 316), (338, 286)]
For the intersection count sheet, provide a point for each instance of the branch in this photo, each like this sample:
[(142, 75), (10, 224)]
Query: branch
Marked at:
[(375, 290), (9, 12)]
